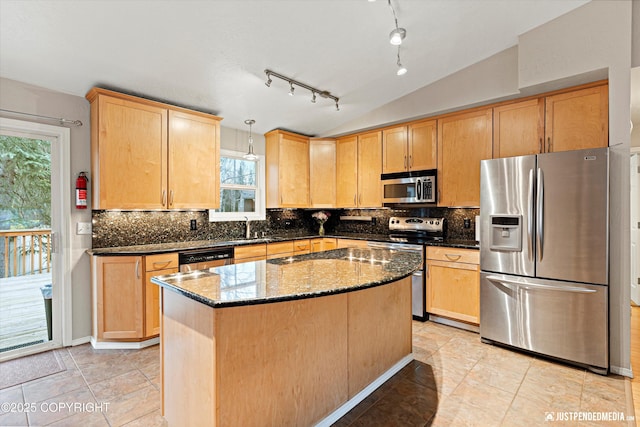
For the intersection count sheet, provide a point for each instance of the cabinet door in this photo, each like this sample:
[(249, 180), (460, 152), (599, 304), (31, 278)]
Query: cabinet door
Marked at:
[(463, 140), (347, 172), (369, 170), (120, 299), (249, 252), (194, 162), (577, 120), (423, 145), (322, 173), (131, 153), (518, 129), (152, 302), (394, 150), (453, 290), (293, 171)]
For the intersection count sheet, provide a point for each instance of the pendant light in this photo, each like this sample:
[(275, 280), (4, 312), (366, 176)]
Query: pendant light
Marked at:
[(250, 155)]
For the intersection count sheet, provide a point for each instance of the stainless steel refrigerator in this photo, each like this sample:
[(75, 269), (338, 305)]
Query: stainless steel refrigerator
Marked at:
[(544, 254)]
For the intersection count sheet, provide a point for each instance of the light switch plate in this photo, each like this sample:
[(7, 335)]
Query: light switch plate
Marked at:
[(83, 228)]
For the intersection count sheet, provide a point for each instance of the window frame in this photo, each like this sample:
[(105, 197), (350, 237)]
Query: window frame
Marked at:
[(260, 212)]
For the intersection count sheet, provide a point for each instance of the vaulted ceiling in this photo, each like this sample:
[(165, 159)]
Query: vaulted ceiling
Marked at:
[(211, 54)]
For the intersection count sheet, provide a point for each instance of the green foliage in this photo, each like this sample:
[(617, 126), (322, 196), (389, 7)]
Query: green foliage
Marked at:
[(25, 183)]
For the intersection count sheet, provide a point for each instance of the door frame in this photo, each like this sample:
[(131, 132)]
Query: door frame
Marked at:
[(61, 230), (635, 262)]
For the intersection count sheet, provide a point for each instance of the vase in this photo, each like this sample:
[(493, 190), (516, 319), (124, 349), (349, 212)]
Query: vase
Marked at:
[(321, 230)]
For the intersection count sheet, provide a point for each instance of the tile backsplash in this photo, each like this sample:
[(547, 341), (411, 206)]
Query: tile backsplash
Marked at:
[(126, 228)]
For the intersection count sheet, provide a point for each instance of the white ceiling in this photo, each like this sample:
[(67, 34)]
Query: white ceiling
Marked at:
[(211, 55)]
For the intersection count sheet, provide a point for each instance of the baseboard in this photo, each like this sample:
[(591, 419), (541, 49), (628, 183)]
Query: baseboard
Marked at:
[(117, 345), (80, 341), (351, 403), (625, 372)]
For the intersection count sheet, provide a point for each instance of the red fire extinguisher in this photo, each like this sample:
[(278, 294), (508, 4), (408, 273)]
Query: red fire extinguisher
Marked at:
[(81, 191)]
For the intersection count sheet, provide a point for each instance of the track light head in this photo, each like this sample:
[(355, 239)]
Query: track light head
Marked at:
[(268, 82), (291, 89), (396, 36), (313, 98), (401, 70), (337, 106)]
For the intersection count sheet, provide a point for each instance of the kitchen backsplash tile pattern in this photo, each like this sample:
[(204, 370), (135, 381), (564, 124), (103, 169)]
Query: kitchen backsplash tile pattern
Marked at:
[(126, 228)]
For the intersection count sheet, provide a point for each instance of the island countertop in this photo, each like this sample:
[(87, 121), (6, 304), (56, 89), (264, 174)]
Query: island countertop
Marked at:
[(299, 277)]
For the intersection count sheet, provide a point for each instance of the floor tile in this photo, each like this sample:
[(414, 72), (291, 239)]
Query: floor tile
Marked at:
[(134, 405), (105, 369), (84, 419), (112, 388), (154, 419), (52, 386), (56, 409)]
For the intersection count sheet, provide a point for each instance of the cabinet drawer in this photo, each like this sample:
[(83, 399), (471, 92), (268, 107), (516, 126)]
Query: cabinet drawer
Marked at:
[(279, 248), (160, 262), (301, 246), (351, 243), (250, 251), (469, 256)]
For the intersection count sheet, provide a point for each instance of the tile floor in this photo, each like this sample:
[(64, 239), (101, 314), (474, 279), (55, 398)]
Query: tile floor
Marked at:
[(454, 381)]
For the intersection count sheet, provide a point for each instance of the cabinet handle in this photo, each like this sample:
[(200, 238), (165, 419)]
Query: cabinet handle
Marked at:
[(164, 197), (170, 197), (281, 202), (453, 257), (354, 200), (410, 161), (137, 269), (540, 146), (548, 144), (158, 264), (405, 162), (360, 199)]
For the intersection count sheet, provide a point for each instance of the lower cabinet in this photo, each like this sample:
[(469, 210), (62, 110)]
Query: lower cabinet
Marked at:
[(352, 243), (323, 244), (247, 253), (453, 283), (126, 303)]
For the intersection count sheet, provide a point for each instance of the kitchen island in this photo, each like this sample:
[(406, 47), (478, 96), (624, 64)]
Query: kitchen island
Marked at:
[(292, 341)]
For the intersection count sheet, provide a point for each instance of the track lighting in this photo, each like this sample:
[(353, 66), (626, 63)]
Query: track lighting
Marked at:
[(314, 91), (250, 155), (396, 36)]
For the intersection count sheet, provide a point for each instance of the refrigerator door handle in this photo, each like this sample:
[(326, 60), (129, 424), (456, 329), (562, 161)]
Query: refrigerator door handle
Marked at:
[(530, 222), (540, 214), (514, 286)]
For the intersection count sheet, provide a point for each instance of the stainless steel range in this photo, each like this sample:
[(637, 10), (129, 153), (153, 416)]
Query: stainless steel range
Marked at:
[(411, 234)]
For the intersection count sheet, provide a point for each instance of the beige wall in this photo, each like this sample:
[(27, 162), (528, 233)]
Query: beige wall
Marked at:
[(25, 98)]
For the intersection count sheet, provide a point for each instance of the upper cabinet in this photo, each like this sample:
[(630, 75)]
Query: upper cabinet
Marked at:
[(409, 148), (287, 158), (149, 155), (463, 140), (577, 120), (322, 173), (358, 169), (518, 128), (566, 121)]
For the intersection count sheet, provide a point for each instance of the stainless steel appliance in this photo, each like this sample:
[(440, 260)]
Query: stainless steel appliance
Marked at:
[(411, 234), (409, 187), (200, 259), (544, 254)]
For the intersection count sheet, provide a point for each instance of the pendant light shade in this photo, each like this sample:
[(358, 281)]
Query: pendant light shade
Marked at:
[(250, 154)]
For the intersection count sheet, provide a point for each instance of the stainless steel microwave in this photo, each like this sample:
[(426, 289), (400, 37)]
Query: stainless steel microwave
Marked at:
[(409, 187)]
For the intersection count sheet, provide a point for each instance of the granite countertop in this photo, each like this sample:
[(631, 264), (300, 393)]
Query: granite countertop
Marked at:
[(204, 244), (299, 277)]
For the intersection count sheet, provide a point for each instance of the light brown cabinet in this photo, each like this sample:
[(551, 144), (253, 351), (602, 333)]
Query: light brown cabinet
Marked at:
[(463, 140), (453, 283), (351, 243), (155, 265), (578, 119), (358, 169), (127, 304), (287, 171), (566, 121), (322, 173), (323, 244), (410, 148), (149, 155), (119, 290), (247, 253)]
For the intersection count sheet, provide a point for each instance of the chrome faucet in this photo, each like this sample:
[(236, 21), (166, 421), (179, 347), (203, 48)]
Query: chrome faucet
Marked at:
[(248, 228)]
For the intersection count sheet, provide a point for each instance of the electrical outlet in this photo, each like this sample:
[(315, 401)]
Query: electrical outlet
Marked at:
[(467, 223), (83, 228), (193, 225)]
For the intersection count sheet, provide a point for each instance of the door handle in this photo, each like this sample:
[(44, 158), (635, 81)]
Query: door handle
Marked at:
[(532, 212), (164, 197), (137, 269), (514, 286), (540, 214), (453, 257)]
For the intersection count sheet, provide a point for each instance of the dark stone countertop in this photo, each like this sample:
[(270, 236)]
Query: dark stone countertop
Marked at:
[(282, 237), (299, 277)]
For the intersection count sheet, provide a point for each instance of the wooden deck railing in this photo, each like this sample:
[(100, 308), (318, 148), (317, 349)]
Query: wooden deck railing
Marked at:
[(26, 251)]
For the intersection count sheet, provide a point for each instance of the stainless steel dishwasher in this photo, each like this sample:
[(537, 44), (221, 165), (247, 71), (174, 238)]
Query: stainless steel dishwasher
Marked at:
[(200, 259)]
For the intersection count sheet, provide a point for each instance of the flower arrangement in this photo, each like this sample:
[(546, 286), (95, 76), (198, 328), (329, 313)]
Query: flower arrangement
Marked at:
[(321, 217)]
